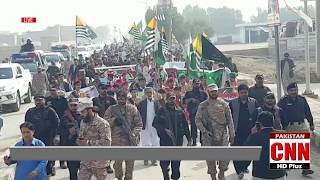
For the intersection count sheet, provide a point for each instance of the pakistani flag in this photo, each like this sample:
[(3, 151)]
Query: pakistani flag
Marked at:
[(83, 30), (135, 32), (212, 76)]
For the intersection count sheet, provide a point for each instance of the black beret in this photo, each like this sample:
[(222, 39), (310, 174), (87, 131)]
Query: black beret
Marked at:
[(292, 85)]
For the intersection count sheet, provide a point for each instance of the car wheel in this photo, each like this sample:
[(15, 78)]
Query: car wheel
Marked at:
[(29, 96), (16, 106)]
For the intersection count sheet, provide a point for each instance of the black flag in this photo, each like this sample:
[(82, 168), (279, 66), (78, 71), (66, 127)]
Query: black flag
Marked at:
[(210, 52)]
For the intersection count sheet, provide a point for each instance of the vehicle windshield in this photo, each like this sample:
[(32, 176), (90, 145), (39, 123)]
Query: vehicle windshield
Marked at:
[(6, 73), (52, 58), (31, 66)]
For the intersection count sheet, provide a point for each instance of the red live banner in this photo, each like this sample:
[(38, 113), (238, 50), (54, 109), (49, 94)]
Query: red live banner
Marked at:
[(28, 20)]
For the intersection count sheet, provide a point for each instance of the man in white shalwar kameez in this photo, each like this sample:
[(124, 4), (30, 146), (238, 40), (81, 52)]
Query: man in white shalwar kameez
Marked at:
[(148, 108)]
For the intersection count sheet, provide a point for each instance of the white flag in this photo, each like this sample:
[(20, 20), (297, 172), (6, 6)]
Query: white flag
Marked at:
[(301, 14)]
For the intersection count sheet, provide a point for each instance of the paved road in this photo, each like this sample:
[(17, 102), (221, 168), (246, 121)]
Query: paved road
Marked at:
[(10, 131), (190, 169)]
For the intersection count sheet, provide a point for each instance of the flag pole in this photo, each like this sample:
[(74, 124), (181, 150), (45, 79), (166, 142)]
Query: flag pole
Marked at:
[(76, 40)]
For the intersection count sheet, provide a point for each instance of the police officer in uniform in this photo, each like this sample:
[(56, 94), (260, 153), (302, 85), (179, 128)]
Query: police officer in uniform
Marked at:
[(295, 110), (214, 120), (94, 131), (46, 123)]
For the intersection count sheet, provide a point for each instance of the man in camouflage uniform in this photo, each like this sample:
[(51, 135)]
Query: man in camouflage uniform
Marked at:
[(94, 131), (126, 124), (214, 120), (40, 82)]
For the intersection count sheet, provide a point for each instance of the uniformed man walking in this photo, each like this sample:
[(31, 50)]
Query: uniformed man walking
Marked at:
[(214, 120), (46, 123), (295, 110), (40, 83), (126, 125), (94, 131)]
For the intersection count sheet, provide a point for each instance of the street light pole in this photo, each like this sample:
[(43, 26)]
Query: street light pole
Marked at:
[(318, 36), (277, 48), (307, 54)]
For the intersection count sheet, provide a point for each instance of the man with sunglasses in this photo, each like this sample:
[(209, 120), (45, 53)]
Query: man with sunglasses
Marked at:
[(59, 104), (69, 131), (259, 90), (103, 101), (296, 109)]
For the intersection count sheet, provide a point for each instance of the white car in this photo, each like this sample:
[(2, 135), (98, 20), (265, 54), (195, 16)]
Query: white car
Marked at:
[(55, 57), (15, 86)]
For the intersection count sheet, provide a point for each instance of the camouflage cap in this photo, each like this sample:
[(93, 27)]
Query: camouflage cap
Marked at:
[(85, 103)]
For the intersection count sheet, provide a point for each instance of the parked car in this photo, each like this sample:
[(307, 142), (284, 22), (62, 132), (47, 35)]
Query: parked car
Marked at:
[(15, 86)]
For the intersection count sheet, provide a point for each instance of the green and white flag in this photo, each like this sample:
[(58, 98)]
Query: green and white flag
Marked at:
[(135, 32), (83, 30), (151, 36)]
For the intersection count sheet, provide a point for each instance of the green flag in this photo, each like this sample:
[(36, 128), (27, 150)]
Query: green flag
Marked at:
[(160, 59), (215, 77), (194, 60), (212, 76)]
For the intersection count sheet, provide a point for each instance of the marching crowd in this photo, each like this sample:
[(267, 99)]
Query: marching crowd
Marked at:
[(143, 107)]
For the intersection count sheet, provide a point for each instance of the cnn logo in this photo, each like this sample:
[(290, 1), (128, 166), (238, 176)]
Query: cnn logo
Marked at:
[(289, 150)]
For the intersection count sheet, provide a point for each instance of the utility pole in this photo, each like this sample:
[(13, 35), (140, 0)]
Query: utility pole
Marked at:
[(307, 54), (278, 64), (170, 31), (318, 36)]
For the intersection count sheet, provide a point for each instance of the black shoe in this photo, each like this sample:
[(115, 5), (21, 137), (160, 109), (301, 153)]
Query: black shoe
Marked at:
[(53, 171), (307, 172), (63, 166), (109, 170)]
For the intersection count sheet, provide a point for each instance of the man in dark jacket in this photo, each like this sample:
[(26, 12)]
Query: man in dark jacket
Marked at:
[(46, 122), (28, 47), (63, 85), (259, 90), (270, 106), (103, 101), (69, 130), (192, 99), (261, 168), (171, 126), (242, 109), (296, 109), (148, 109), (59, 104)]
